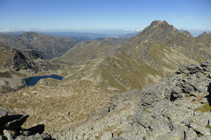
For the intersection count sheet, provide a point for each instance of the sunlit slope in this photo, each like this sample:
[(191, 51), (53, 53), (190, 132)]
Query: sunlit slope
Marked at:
[(87, 50)]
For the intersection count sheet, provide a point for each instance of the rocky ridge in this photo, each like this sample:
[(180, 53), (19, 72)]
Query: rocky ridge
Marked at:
[(177, 107), (155, 52)]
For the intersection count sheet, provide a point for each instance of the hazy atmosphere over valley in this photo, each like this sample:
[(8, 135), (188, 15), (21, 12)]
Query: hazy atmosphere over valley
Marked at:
[(105, 70)]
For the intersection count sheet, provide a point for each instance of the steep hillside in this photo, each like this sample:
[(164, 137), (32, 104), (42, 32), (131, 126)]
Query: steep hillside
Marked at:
[(48, 46), (87, 50)]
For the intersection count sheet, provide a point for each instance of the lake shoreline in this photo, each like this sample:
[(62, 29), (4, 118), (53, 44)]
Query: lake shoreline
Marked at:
[(32, 80)]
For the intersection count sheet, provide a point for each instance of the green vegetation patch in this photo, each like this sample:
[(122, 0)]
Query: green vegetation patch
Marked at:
[(208, 126), (205, 108)]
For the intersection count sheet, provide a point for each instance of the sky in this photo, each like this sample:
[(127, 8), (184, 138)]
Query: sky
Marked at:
[(96, 15)]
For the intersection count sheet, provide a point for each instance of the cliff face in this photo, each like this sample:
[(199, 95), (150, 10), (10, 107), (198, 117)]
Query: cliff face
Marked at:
[(32, 54), (14, 59)]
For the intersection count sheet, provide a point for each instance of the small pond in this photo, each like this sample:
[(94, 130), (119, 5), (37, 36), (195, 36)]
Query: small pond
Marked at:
[(31, 81)]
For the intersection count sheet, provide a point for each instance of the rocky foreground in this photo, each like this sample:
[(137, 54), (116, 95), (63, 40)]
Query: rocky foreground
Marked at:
[(10, 128), (177, 107)]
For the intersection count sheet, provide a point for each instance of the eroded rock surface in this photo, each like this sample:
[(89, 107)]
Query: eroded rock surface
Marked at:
[(177, 107)]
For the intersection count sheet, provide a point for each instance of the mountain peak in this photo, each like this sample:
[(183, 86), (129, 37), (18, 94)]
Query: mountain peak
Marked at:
[(159, 23), (156, 22), (204, 33)]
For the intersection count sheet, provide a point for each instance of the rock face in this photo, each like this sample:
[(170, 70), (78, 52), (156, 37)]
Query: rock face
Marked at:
[(32, 54), (47, 46), (14, 59), (177, 107), (10, 128)]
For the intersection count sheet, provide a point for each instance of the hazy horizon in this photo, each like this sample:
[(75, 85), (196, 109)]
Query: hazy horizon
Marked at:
[(95, 15)]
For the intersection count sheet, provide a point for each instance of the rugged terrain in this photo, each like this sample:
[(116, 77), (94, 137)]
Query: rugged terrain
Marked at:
[(104, 97), (177, 107), (48, 46), (155, 52), (10, 128), (16, 64)]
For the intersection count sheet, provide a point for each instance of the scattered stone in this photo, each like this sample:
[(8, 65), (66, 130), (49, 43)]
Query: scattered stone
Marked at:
[(174, 108)]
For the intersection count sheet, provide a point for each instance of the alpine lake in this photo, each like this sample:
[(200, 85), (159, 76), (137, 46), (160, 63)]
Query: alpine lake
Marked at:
[(31, 81)]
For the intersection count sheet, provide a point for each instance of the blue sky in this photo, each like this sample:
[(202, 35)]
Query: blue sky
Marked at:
[(103, 14)]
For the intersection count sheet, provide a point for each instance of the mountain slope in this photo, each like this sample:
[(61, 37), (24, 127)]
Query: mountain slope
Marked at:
[(155, 52), (47, 46), (87, 50)]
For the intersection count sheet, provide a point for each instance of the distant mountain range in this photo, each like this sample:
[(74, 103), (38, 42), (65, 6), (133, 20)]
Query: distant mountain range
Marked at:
[(47, 46), (80, 36)]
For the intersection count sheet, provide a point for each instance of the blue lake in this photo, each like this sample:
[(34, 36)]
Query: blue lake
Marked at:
[(31, 81)]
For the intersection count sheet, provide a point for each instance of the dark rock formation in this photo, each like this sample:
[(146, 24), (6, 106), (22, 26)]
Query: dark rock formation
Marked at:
[(10, 128), (32, 54)]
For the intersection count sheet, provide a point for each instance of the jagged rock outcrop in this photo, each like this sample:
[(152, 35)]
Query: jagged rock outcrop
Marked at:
[(10, 128), (32, 54), (177, 107), (14, 59)]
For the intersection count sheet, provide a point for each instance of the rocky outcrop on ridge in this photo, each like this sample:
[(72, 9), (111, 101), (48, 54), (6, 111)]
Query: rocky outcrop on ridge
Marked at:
[(10, 128), (177, 107), (21, 60), (32, 54)]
